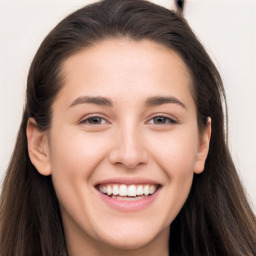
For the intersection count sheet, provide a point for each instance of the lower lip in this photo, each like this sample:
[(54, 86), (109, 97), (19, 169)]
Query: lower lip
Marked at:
[(129, 206)]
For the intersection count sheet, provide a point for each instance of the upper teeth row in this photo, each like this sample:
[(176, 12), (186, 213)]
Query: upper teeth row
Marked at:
[(127, 190)]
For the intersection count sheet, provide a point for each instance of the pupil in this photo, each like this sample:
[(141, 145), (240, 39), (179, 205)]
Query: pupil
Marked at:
[(95, 120), (160, 119)]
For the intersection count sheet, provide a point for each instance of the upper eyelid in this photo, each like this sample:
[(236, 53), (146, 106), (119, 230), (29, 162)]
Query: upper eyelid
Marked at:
[(103, 116), (86, 117), (171, 117), (171, 120)]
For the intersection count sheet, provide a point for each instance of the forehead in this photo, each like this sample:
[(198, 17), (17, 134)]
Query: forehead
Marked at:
[(125, 67)]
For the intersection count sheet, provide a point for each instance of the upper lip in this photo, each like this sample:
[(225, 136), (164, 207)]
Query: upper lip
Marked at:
[(128, 181)]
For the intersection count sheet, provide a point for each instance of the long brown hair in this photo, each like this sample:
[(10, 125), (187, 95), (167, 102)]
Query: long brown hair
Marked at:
[(216, 218)]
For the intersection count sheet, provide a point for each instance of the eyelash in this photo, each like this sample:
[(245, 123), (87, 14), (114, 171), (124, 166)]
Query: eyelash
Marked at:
[(167, 120), (87, 120)]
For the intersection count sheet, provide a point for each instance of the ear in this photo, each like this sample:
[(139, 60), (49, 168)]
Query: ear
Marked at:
[(203, 148), (38, 148)]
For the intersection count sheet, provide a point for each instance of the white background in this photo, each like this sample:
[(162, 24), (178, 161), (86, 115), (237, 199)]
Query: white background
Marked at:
[(226, 27)]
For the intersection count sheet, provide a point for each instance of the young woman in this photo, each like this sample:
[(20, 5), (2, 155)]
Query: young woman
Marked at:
[(121, 149)]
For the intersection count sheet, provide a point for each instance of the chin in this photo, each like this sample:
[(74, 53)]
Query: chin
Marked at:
[(129, 242), (132, 239)]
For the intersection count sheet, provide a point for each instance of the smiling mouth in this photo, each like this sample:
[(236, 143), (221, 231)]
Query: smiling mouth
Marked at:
[(127, 192)]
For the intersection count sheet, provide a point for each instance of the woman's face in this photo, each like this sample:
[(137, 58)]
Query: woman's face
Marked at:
[(124, 144)]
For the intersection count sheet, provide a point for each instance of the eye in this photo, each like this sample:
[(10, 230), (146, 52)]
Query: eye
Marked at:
[(162, 120), (94, 120)]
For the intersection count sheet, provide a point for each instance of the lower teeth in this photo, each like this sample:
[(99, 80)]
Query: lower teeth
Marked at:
[(128, 198)]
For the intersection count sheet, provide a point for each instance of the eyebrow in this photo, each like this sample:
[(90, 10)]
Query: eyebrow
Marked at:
[(103, 101), (98, 100), (159, 100)]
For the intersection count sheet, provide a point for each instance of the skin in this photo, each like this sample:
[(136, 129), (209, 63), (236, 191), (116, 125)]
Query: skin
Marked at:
[(128, 142)]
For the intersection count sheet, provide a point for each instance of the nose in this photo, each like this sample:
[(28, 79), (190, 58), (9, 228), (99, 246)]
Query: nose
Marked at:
[(129, 149)]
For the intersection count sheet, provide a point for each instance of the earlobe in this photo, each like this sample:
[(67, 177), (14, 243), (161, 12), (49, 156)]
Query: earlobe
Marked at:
[(38, 148), (203, 148)]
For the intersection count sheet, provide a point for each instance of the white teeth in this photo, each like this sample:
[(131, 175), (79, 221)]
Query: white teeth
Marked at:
[(140, 190), (152, 189), (124, 190), (131, 190), (109, 190), (115, 190), (127, 198), (146, 190)]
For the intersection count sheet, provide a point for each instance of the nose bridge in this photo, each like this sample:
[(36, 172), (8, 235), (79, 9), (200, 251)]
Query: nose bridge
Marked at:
[(129, 149)]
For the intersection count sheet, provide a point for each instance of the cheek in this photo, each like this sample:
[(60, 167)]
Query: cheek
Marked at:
[(178, 165), (75, 155), (76, 152), (176, 153)]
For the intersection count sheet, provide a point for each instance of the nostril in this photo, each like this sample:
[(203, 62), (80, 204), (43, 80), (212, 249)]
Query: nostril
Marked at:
[(129, 158)]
